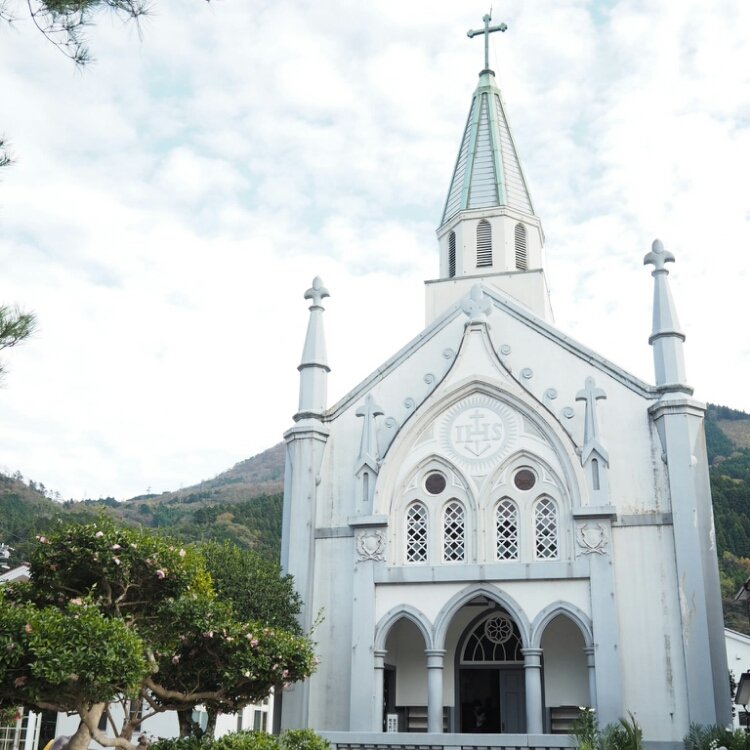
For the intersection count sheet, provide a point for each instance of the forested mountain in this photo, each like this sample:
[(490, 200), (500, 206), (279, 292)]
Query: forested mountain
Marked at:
[(243, 505)]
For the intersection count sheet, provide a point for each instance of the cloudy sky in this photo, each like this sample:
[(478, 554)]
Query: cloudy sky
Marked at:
[(170, 204)]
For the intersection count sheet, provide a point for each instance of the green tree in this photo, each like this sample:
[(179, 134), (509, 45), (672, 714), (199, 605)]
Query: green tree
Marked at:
[(15, 325), (112, 613)]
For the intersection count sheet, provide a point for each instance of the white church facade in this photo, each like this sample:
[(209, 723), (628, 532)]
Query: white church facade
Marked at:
[(499, 525)]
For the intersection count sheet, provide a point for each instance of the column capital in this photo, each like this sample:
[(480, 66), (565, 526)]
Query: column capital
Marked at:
[(435, 657), (532, 657), (589, 651), (379, 655)]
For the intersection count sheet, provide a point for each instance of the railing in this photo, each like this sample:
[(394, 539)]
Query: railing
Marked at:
[(424, 741)]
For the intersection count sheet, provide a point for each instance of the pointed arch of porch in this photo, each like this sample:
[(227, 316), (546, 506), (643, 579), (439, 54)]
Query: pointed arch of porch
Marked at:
[(573, 613), (458, 600), (400, 460), (403, 612)]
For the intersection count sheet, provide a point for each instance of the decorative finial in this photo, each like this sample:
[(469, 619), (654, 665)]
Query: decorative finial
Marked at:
[(487, 30), (658, 257), (476, 305), (317, 292)]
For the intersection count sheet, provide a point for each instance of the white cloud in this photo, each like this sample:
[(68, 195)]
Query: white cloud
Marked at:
[(171, 204)]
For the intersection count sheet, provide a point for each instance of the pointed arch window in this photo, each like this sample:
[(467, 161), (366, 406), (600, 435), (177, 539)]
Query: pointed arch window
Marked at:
[(521, 257), (546, 529), (454, 532), (484, 243), (494, 639), (416, 533), (451, 255), (506, 527)]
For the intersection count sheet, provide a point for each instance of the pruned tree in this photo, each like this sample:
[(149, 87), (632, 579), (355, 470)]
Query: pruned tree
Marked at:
[(124, 615)]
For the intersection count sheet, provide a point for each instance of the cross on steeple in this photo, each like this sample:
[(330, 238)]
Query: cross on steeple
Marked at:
[(487, 30)]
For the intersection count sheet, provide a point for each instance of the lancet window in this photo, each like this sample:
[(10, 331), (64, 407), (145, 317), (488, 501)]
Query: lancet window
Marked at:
[(521, 257), (506, 529), (451, 255), (484, 243), (546, 529), (416, 533), (454, 532)]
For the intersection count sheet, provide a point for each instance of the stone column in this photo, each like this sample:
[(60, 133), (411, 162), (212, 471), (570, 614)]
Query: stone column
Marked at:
[(532, 669), (589, 651), (435, 658), (377, 722)]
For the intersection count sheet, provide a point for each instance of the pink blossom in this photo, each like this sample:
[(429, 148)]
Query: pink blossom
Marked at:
[(176, 659), (20, 681), (42, 539), (160, 574), (254, 643), (182, 553), (27, 627), (116, 547), (116, 560), (77, 601), (285, 673), (99, 534)]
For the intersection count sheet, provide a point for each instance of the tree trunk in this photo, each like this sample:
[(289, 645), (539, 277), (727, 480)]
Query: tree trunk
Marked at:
[(211, 725), (188, 727), (81, 739)]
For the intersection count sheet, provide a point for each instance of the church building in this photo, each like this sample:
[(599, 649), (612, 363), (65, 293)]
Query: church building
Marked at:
[(499, 526)]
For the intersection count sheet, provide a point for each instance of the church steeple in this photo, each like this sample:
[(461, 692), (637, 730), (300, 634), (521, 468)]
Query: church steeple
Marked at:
[(488, 227)]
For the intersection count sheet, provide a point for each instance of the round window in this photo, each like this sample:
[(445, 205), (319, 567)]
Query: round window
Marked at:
[(524, 479), (435, 483)]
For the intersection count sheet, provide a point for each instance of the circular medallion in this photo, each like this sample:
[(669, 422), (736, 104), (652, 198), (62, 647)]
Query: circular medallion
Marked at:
[(498, 629), (478, 430)]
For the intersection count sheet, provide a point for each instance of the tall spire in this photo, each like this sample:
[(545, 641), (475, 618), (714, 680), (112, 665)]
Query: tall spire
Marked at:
[(488, 171), (488, 228)]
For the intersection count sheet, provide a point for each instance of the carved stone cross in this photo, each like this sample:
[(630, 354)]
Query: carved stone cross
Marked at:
[(368, 449), (487, 30), (590, 394), (317, 292)]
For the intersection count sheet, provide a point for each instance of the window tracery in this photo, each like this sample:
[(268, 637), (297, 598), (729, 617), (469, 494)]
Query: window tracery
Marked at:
[(506, 530), (454, 533), (545, 529), (416, 533)]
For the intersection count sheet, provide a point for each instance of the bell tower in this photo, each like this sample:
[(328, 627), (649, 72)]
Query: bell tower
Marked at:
[(489, 231)]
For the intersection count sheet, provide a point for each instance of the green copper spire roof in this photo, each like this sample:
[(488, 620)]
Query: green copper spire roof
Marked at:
[(488, 172)]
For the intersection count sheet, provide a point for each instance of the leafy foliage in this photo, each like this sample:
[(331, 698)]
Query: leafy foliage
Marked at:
[(15, 325), (117, 611), (713, 736), (626, 734), (293, 739)]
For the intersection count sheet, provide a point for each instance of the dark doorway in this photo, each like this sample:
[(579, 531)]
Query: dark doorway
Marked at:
[(492, 700), (490, 682)]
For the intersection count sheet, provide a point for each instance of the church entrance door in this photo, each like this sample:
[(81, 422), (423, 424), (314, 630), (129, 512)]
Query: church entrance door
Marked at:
[(490, 678)]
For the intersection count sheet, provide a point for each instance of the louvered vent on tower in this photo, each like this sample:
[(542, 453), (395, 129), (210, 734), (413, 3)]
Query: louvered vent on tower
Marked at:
[(451, 255), (521, 258), (484, 244)]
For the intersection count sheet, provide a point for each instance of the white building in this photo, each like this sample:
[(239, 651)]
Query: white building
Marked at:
[(499, 524)]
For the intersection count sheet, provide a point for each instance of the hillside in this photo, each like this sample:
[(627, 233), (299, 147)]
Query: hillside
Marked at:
[(243, 505), (728, 441)]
